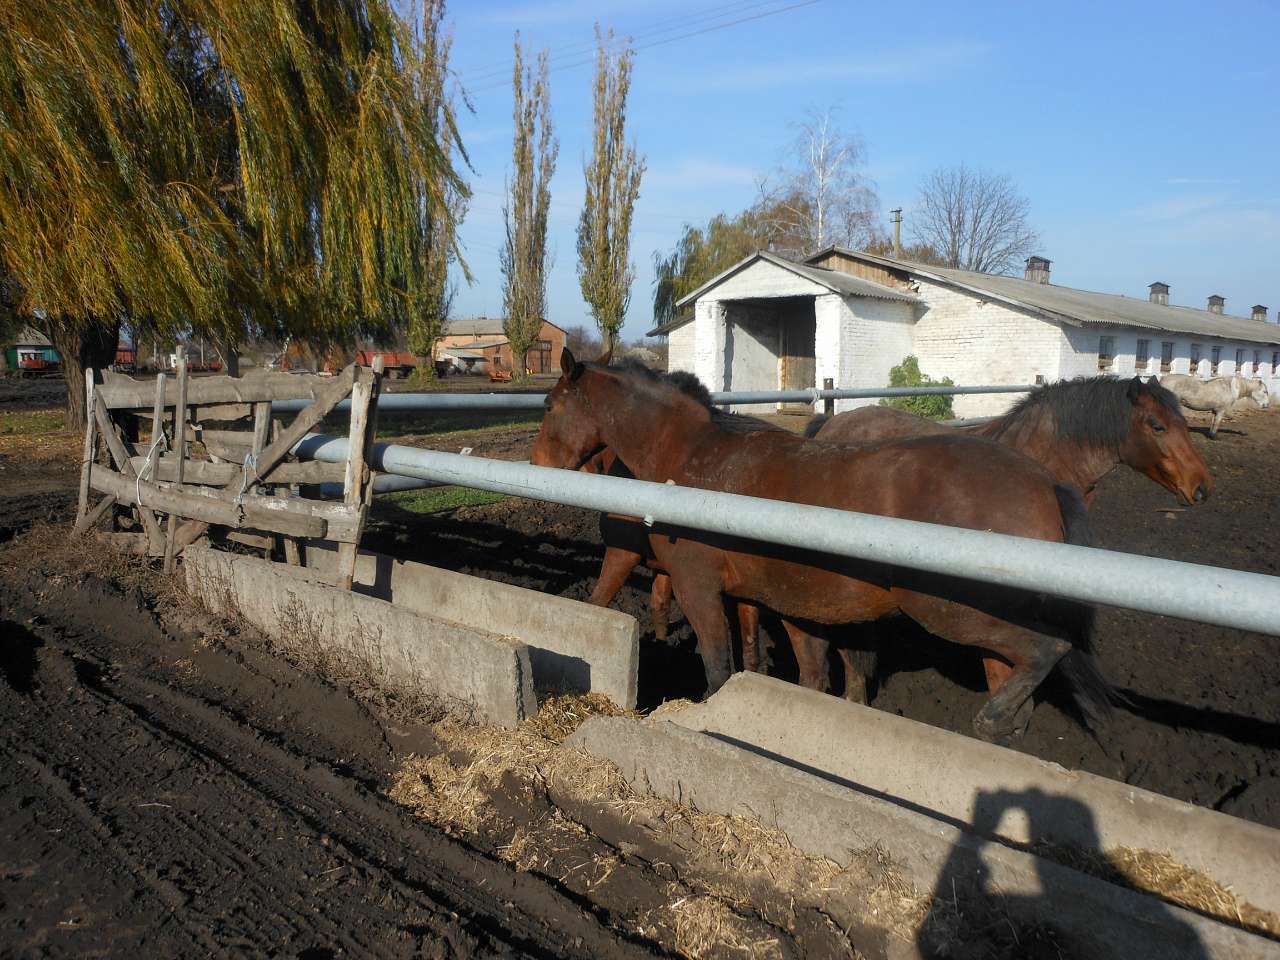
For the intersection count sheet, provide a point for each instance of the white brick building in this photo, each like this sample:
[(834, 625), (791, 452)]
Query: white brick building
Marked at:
[(768, 323)]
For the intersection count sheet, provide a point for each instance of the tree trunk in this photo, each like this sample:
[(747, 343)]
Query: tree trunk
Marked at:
[(230, 357), (93, 346)]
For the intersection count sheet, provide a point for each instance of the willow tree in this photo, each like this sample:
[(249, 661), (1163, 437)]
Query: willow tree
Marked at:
[(524, 256), (260, 168), (613, 173)]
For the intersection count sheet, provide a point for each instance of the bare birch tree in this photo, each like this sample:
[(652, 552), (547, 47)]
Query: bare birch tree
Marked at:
[(976, 220), (524, 257), (822, 197), (613, 174)]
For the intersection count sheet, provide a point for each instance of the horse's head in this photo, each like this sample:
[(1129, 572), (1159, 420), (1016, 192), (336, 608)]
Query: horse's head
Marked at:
[(1159, 445), (1258, 390), (570, 436)]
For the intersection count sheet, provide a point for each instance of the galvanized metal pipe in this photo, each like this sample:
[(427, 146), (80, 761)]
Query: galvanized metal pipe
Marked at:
[(1229, 598), (534, 401)]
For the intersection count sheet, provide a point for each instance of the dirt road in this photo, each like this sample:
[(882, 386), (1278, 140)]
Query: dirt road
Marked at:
[(159, 797)]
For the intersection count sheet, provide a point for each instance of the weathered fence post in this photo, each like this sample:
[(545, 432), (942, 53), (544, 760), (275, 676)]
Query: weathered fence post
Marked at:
[(180, 448), (829, 403)]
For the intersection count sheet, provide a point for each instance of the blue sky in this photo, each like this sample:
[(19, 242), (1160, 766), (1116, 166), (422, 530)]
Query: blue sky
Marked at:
[(1144, 135)]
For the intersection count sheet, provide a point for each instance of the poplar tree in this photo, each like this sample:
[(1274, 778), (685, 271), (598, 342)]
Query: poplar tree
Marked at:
[(612, 174), (524, 256), (263, 168)]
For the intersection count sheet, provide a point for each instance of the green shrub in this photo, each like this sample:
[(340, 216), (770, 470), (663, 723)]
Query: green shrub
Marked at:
[(907, 374)]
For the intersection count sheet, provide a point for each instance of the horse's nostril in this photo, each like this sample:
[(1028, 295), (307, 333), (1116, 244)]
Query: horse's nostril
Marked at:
[(1200, 494)]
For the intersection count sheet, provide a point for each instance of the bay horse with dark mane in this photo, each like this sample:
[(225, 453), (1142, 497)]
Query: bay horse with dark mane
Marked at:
[(1079, 429), (665, 433)]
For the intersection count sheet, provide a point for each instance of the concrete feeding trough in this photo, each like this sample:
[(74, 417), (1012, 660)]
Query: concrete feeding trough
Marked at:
[(840, 779), (573, 646), (459, 640)]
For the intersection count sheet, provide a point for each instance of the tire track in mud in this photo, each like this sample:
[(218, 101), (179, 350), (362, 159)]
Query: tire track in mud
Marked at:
[(227, 838)]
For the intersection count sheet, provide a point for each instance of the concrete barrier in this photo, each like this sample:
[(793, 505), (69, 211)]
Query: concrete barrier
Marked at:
[(947, 774), (573, 646), (823, 818), (470, 671)]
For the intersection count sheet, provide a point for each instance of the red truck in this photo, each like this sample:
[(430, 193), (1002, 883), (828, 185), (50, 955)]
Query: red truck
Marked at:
[(397, 363)]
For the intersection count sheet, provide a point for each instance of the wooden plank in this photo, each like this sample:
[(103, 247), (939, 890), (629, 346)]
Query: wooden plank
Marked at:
[(134, 543), (354, 479), (214, 412), (251, 539), (342, 520), (264, 513), (90, 447), (220, 474), (93, 516), (122, 392), (121, 457), (157, 430), (326, 400), (291, 553), (180, 451), (190, 532)]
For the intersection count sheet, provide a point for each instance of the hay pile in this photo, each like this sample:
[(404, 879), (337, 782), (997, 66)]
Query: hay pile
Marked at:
[(737, 877)]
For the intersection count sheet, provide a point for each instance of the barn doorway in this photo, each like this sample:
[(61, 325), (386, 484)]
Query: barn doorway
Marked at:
[(770, 345), (797, 361)]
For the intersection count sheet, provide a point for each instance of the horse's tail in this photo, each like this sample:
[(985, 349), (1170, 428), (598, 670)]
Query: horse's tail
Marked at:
[(1093, 695), (813, 426)]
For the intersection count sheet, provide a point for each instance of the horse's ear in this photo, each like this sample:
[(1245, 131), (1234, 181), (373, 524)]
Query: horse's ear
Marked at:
[(606, 357), (1136, 389), (567, 363)]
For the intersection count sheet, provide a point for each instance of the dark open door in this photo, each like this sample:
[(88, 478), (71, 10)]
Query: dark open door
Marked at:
[(797, 366)]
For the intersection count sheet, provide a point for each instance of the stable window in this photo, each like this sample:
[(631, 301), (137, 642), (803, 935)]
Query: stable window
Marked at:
[(1143, 353), (1106, 352), (1217, 358), (1195, 356), (1257, 360), (1275, 363), (1166, 356), (1239, 359)]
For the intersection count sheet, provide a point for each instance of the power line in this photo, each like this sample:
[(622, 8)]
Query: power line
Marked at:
[(658, 43), (576, 50)]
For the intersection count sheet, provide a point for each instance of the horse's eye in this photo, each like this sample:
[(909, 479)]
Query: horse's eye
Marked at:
[(1156, 426)]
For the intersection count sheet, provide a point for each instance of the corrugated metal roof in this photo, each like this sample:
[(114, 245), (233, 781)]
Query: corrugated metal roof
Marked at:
[(481, 327), (1079, 307), (833, 280)]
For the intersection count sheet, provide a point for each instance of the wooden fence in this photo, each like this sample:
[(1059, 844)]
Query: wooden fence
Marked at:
[(216, 464)]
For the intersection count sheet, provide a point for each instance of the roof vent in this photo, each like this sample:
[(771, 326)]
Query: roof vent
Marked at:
[(1159, 292), (1037, 270), (1216, 303), (1260, 313)]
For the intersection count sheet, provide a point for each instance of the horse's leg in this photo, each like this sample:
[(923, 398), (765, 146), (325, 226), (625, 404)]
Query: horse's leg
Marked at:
[(1217, 419), (859, 668), (1031, 656), (614, 570), (749, 636), (660, 604), (811, 657), (701, 599)]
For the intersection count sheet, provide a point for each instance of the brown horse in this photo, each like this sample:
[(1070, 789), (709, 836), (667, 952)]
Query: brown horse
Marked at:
[(663, 432), (1080, 429)]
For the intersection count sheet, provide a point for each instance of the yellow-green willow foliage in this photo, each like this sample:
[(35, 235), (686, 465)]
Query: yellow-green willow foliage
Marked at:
[(234, 167)]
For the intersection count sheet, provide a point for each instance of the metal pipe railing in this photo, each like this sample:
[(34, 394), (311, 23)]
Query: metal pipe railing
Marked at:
[(534, 401), (1229, 598)]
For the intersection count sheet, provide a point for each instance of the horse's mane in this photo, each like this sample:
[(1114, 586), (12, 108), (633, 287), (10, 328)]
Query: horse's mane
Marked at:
[(1090, 410), (687, 383)]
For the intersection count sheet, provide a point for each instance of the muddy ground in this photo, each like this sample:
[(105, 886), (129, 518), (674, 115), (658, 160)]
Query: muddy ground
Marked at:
[(1204, 724)]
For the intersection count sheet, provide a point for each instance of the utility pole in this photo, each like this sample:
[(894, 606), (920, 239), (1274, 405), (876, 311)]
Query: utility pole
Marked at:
[(897, 232)]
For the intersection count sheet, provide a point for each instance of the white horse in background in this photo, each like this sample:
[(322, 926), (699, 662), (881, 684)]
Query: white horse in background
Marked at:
[(1216, 396)]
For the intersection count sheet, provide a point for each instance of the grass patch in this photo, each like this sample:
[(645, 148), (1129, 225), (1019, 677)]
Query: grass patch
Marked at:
[(392, 424), (32, 422), (439, 499)]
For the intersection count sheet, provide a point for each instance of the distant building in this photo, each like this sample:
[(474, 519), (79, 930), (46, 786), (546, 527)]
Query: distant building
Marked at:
[(32, 352), (769, 323), (479, 342)]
